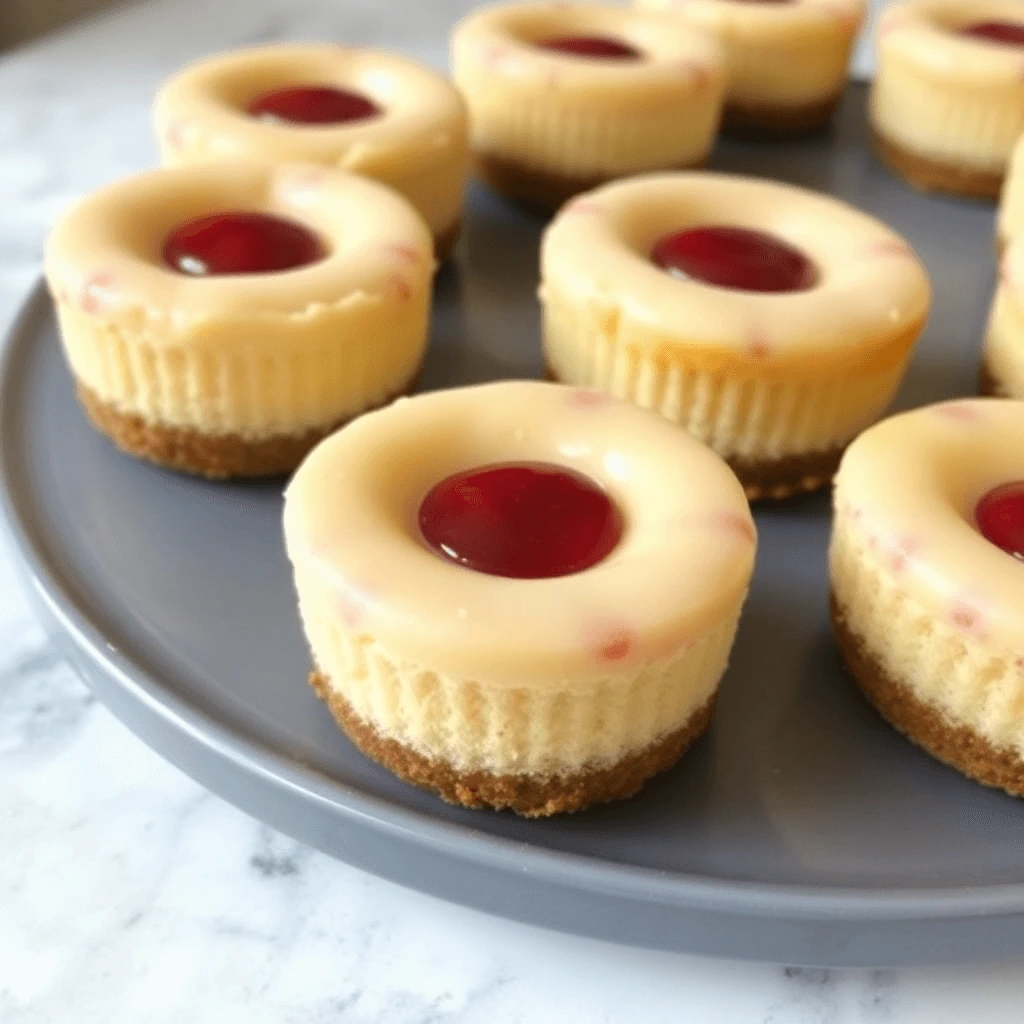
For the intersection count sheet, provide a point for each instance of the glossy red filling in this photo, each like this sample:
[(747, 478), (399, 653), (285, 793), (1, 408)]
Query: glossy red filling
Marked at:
[(313, 104), (1000, 517), (528, 520), (1010, 33), (240, 243), (601, 47), (737, 258)]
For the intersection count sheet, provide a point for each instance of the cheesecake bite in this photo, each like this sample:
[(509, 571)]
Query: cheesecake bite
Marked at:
[(221, 319), (771, 322), (927, 568), (363, 111), (563, 97), (788, 60), (947, 103), (519, 595)]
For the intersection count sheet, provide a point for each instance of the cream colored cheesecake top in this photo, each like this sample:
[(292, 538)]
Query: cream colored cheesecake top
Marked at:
[(497, 43), (925, 32), (105, 255), (420, 112), (684, 560), (909, 487), (870, 290)]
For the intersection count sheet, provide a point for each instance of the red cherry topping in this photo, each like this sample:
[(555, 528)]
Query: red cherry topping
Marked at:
[(313, 104), (735, 258), (525, 520), (240, 243), (600, 47), (1009, 33), (1000, 517)]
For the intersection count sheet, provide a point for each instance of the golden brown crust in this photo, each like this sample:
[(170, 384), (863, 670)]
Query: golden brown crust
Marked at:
[(214, 456), (956, 745), (533, 796), (934, 176), (542, 189), (444, 243), (756, 122), (788, 475)]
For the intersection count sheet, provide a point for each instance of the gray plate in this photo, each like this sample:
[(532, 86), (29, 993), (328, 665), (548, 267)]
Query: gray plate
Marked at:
[(802, 829)]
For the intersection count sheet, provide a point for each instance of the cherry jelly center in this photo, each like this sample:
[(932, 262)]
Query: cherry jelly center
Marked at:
[(1000, 517), (313, 104), (1010, 33), (240, 243), (735, 258), (527, 520), (601, 47)]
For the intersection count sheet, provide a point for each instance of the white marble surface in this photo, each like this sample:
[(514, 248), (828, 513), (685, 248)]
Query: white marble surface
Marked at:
[(127, 893)]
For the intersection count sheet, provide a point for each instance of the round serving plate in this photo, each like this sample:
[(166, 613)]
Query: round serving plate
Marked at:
[(801, 829)]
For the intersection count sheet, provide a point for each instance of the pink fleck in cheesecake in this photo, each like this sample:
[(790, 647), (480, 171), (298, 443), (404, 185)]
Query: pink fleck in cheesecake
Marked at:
[(927, 567), (519, 595), (771, 322)]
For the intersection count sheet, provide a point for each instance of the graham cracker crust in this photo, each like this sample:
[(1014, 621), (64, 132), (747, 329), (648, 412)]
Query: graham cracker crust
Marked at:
[(955, 745), (930, 175), (786, 476), (543, 190), (214, 456), (756, 122), (444, 243), (532, 796)]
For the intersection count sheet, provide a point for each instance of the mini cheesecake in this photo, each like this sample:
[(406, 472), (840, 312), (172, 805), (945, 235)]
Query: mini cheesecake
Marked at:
[(563, 97), (221, 319), (519, 595), (788, 60), (947, 102), (927, 569), (364, 111), (770, 322)]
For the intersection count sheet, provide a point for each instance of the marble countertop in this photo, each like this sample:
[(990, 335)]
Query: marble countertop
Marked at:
[(127, 893)]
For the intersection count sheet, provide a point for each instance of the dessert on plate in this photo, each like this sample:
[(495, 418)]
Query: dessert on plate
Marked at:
[(771, 322), (365, 111), (221, 319), (1002, 366), (563, 97), (519, 595), (788, 60), (947, 103), (927, 567)]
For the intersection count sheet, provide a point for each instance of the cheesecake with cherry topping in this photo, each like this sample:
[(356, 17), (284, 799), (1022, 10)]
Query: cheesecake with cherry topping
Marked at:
[(947, 103), (771, 322), (519, 595), (563, 97), (358, 110), (788, 60), (927, 569), (221, 319)]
